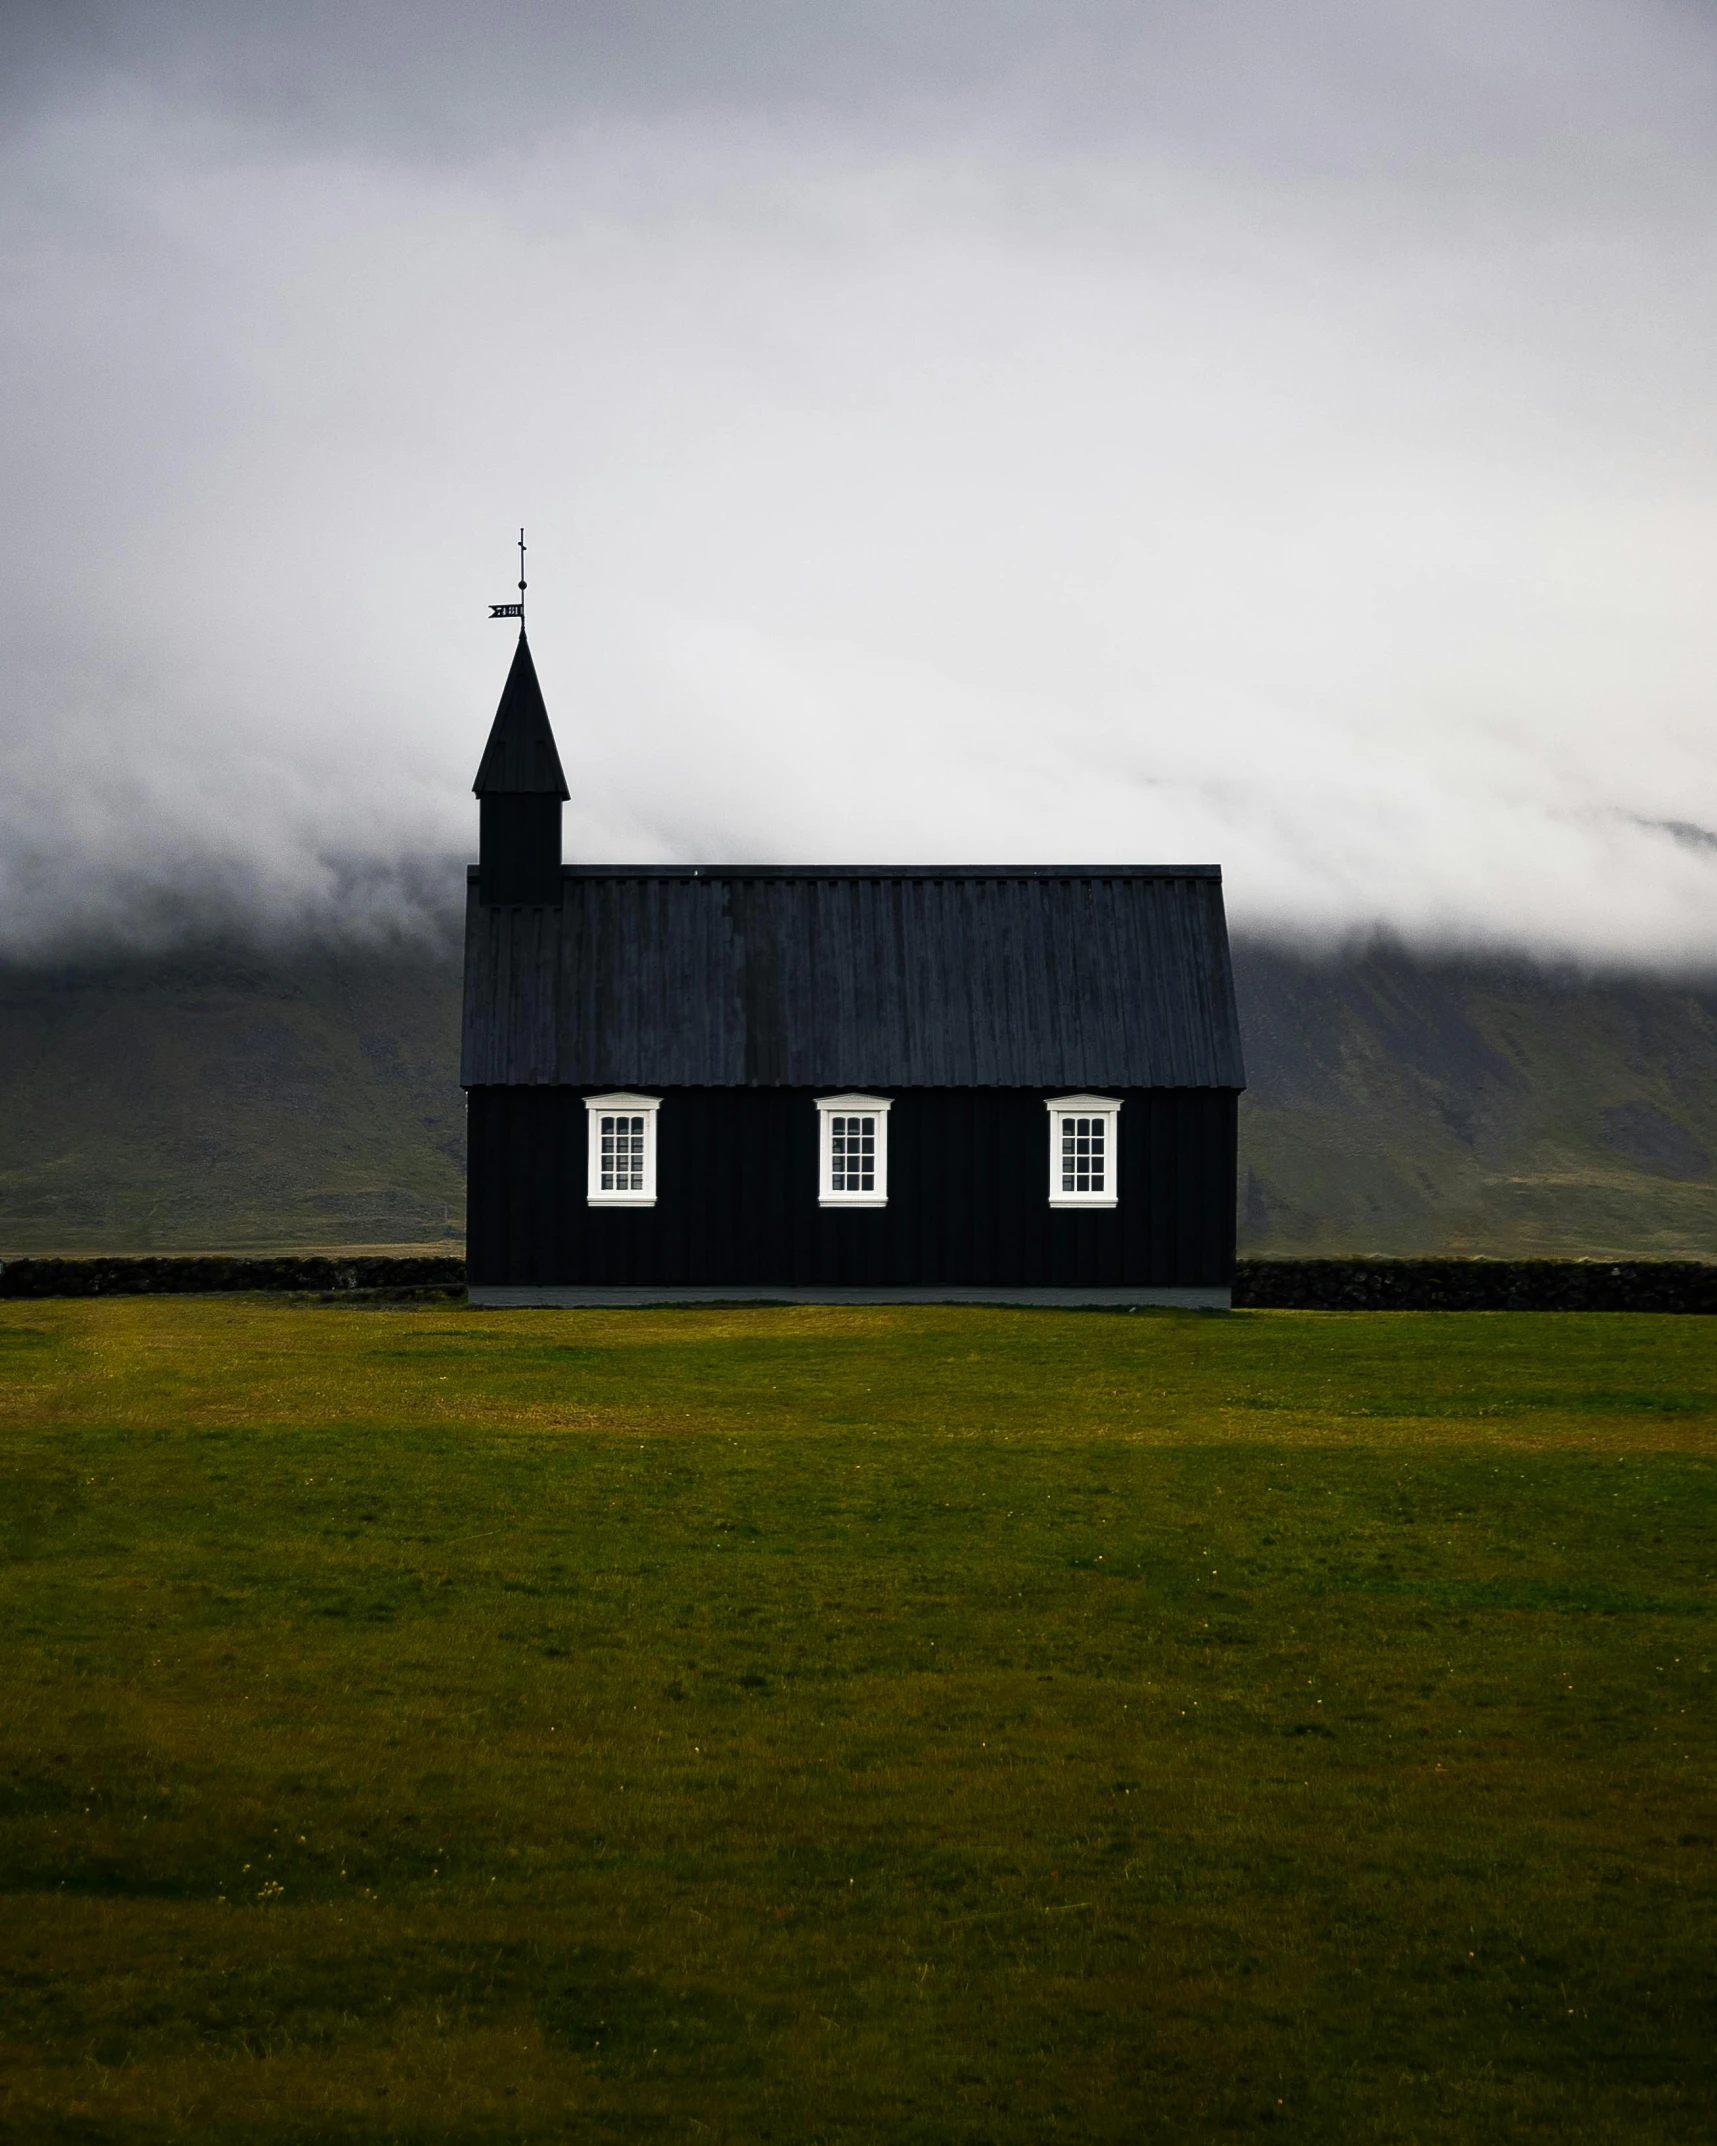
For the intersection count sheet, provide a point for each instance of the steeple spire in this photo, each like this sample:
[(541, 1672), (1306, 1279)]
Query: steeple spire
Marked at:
[(520, 786), (520, 756)]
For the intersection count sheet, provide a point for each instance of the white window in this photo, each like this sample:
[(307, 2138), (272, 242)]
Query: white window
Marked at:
[(622, 1149), (1082, 1132), (853, 1150)]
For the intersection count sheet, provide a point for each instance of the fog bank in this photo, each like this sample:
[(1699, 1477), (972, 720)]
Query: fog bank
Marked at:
[(1271, 436)]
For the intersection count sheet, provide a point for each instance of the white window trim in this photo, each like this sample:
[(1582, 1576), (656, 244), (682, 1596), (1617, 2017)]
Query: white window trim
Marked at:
[(1084, 1106), (833, 1106), (644, 1106)]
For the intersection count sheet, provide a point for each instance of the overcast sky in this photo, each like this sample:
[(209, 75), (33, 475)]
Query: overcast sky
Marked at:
[(1271, 432)]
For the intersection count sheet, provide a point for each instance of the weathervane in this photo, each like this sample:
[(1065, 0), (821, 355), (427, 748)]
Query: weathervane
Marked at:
[(514, 610)]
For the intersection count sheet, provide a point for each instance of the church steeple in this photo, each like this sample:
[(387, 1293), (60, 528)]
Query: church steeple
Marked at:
[(519, 790), (519, 787), (520, 758)]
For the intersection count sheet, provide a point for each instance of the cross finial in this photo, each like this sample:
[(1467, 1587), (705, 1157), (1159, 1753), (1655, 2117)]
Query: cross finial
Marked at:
[(515, 610)]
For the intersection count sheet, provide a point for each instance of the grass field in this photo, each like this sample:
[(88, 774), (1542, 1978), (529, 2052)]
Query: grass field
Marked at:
[(934, 1724)]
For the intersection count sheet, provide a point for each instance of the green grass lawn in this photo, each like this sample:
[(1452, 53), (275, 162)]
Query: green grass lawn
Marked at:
[(933, 1724)]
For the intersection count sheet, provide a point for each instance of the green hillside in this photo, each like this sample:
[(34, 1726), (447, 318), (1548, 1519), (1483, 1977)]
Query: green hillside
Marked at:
[(225, 1099), (1404, 1104), (228, 1100)]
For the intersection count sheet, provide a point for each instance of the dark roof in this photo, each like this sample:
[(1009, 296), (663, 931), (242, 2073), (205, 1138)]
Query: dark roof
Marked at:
[(1035, 977), (520, 754)]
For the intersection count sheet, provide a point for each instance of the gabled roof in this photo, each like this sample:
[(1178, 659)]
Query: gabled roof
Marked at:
[(520, 755), (1033, 977)]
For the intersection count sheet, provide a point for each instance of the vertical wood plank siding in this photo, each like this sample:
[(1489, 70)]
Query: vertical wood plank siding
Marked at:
[(737, 1194)]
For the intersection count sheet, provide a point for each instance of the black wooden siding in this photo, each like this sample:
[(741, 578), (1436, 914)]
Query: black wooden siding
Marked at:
[(1060, 978), (737, 1181)]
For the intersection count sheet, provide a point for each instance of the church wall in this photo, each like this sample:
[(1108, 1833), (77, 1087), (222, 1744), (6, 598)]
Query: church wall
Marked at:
[(737, 1183)]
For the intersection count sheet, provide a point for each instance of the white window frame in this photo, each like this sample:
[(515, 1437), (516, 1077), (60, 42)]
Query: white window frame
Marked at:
[(830, 1107), (1108, 1108), (630, 1106)]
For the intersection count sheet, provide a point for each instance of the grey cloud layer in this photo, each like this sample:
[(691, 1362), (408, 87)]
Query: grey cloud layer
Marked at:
[(1271, 434), (1537, 88)]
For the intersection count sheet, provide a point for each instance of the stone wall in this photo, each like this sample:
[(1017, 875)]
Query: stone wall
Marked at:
[(1476, 1285), (200, 1277), (1259, 1284)]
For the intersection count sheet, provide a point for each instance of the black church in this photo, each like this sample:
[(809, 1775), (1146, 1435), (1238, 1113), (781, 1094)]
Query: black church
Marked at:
[(837, 1083)]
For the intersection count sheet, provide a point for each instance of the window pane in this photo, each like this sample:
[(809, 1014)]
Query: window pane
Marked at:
[(1083, 1154), (620, 1154), (852, 1153)]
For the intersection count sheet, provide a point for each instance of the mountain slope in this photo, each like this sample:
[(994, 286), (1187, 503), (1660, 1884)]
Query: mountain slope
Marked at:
[(1402, 1103), (232, 1100)]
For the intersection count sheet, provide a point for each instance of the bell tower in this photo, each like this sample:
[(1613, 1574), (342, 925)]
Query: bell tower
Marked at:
[(519, 787)]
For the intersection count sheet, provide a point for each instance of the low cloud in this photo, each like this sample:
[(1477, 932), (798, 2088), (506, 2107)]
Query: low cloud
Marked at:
[(1271, 437)]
